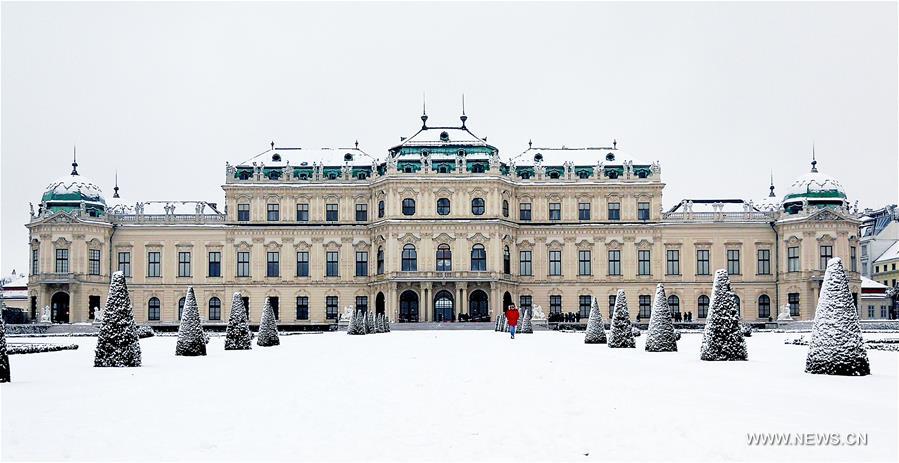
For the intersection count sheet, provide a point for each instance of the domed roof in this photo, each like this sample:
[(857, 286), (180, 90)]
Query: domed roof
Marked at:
[(815, 186), (73, 188)]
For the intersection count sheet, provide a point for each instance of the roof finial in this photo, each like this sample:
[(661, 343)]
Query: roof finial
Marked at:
[(530, 144), (116, 188), (357, 144), (771, 188), (463, 117), (74, 160), (424, 112), (273, 144), (814, 161), (614, 144)]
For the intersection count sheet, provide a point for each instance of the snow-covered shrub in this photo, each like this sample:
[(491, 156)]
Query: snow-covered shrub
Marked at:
[(191, 339), (527, 326), (496, 324), (379, 323), (746, 330), (800, 341), (145, 331), (387, 320), (370, 321), (660, 335), (677, 335), (596, 333), (237, 334), (355, 326), (836, 346), (722, 338), (117, 343), (268, 327), (620, 334), (32, 348), (4, 358), (637, 331)]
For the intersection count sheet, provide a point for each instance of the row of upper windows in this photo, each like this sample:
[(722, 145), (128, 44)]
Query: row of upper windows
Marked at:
[(478, 207), (886, 268), (585, 302), (154, 307), (444, 261)]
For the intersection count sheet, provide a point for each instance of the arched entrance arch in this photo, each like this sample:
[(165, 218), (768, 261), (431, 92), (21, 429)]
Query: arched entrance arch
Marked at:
[(444, 307), (59, 307), (379, 304), (477, 306), (507, 301), (408, 306)]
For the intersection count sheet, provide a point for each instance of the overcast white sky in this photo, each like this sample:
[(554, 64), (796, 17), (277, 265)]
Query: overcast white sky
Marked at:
[(720, 94)]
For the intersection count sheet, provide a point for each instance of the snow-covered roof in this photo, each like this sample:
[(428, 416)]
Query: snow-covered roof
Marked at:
[(281, 157), (868, 283), (73, 188), (891, 253), (588, 156), (815, 186), (444, 142), (20, 282)]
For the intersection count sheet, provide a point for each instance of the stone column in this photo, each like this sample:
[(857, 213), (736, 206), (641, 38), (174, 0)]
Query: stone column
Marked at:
[(424, 303), (495, 301), (392, 303), (463, 298)]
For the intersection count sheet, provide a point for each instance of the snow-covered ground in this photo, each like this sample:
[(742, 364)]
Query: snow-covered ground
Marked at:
[(440, 395)]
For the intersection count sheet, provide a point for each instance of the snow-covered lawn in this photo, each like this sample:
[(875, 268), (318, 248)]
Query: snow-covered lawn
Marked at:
[(440, 395)]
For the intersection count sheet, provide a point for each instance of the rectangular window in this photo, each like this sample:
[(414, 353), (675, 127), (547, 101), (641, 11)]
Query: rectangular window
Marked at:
[(614, 262), (35, 262), (93, 261), (853, 259), (273, 264), (154, 264), (555, 211), (302, 308), (584, 260), (274, 303), (584, 303), (642, 211), (645, 302), (331, 307), (583, 211), (273, 212), (555, 303), (525, 302), (733, 261), (183, 264), (331, 264), (612, 298), (672, 262), (764, 262), (362, 303), (555, 263), (303, 264), (380, 209), (361, 212), (870, 311), (62, 261), (125, 263), (302, 212), (331, 213), (361, 263), (793, 301), (793, 259), (614, 211), (243, 264), (524, 212), (826, 255), (215, 264), (702, 262), (884, 312), (243, 212), (643, 264), (524, 263)]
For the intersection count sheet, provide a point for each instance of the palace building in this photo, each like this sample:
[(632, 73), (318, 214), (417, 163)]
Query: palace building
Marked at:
[(440, 227)]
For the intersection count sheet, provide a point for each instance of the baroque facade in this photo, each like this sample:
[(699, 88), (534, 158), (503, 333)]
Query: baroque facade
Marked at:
[(441, 227)]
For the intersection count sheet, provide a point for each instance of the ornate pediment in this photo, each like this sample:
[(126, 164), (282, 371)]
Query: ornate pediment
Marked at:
[(406, 238), (444, 237), (478, 238), (826, 215)]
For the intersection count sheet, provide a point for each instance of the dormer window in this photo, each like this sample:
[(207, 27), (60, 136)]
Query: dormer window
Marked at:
[(444, 136), (244, 175), (610, 157), (613, 174), (461, 153), (583, 174), (276, 157), (554, 174), (407, 169), (641, 173), (303, 176), (442, 169), (361, 176), (273, 175), (347, 157), (332, 176), (477, 168), (538, 157), (525, 175)]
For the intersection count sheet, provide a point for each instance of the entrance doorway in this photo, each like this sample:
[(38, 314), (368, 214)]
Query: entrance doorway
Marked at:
[(507, 301), (477, 306), (444, 307), (379, 304), (408, 307), (59, 308)]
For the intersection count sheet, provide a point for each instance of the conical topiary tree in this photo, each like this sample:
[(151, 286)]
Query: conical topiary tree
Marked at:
[(836, 346), (357, 324), (496, 324), (620, 333), (191, 339), (371, 321), (526, 325), (4, 358), (268, 327), (596, 332), (118, 344), (722, 338), (660, 336), (387, 321), (237, 334), (379, 328)]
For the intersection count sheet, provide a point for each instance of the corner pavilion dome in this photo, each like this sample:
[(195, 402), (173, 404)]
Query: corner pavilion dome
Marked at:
[(67, 193), (814, 188)]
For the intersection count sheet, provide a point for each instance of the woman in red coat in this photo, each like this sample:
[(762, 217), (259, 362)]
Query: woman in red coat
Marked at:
[(512, 319)]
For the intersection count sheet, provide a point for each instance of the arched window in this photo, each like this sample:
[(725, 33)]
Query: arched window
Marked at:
[(583, 174), (444, 258), (737, 303), (381, 209), (180, 307), (674, 304), (478, 258), (477, 168), (410, 258), (507, 260), (380, 261), (443, 206), (505, 208), (215, 308), (153, 309), (408, 206), (477, 206), (554, 174), (407, 169), (703, 306), (764, 306), (612, 174), (244, 175), (442, 169), (273, 175)]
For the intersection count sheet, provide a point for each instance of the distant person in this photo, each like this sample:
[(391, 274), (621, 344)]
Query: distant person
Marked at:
[(512, 318)]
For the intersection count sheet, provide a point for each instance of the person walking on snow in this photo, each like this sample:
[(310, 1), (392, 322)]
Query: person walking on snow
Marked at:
[(512, 318)]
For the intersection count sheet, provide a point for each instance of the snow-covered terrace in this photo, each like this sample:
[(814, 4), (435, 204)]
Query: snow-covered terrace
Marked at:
[(192, 212)]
